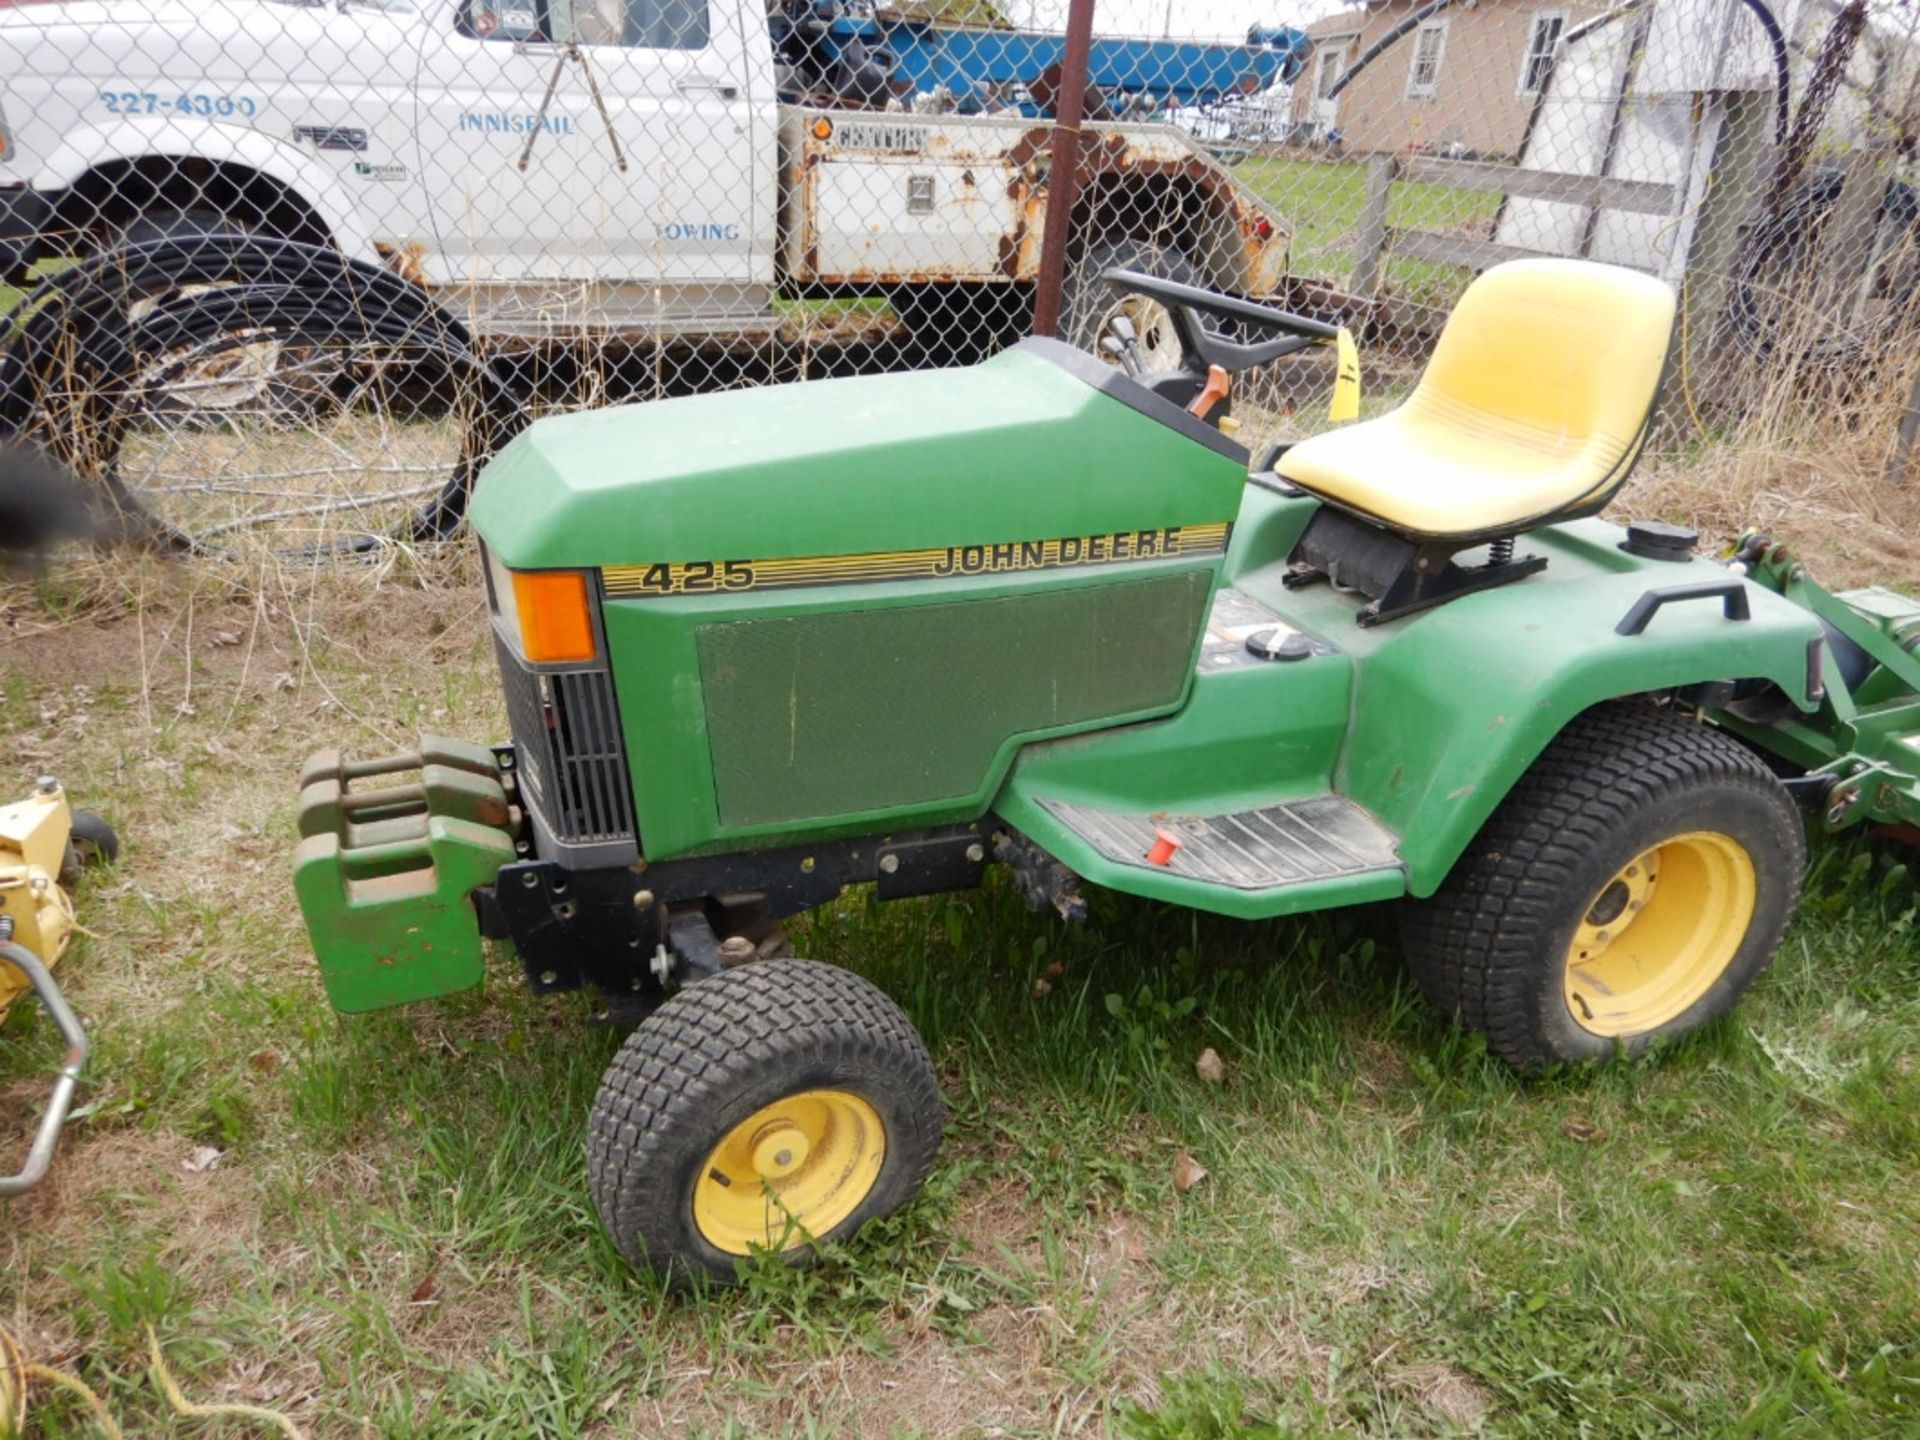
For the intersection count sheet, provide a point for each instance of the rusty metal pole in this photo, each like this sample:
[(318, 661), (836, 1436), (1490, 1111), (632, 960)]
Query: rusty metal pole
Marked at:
[(1063, 167)]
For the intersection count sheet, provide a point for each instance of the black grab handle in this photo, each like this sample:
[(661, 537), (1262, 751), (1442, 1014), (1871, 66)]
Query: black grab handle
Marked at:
[(1732, 592)]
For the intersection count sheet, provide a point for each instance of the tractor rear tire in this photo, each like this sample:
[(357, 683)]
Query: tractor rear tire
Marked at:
[(772, 1107), (1630, 887)]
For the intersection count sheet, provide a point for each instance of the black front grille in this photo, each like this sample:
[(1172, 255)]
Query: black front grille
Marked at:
[(566, 736)]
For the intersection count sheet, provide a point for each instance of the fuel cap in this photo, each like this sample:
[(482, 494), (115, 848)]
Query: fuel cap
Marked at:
[(1657, 540), (1278, 644)]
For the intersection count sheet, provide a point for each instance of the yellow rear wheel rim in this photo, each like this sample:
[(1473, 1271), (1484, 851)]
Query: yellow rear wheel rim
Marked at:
[(790, 1172), (1660, 933)]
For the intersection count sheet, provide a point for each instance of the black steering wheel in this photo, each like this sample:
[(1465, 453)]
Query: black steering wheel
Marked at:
[(1201, 347)]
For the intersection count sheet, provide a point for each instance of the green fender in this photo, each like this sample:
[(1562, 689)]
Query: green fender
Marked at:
[(1427, 721), (1451, 708)]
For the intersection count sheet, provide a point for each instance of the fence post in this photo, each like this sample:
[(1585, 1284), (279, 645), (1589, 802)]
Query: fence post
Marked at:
[(1369, 250), (1063, 168), (1851, 235), (1905, 438), (1739, 155)]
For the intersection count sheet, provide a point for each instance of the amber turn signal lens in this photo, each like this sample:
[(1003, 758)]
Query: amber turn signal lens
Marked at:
[(823, 129), (556, 622)]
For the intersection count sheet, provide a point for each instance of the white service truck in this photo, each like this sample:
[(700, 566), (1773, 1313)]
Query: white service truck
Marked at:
[(557, 167)]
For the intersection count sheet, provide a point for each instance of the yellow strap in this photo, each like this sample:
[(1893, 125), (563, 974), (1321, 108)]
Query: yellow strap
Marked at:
[(257, 1414), (72, 1383), (17, 1373), (1346, 380)]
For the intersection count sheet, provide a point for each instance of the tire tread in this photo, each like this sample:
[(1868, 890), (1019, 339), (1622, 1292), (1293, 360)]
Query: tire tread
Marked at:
[(712, 1039), (1474, 946)]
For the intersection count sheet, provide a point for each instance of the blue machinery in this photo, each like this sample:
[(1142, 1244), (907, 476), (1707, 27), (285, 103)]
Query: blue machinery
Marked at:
[(843, 52)]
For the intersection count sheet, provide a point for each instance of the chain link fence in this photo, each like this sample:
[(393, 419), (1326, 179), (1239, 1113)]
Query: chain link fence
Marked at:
[(290, 271)]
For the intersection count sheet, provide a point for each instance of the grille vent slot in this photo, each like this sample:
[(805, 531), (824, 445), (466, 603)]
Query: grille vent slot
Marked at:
[(566, 735)]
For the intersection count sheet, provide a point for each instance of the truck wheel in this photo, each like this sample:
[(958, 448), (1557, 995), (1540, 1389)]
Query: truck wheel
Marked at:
[(773, 1106), (1088, 304), (1631, 885), (171, 224)]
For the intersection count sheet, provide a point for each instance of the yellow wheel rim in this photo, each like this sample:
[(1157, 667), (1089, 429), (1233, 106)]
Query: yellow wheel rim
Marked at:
[(1659, 933), (789, 1172)]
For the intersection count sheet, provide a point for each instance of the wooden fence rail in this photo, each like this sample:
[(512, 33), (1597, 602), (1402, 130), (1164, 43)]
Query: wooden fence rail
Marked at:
[(1377, 238)]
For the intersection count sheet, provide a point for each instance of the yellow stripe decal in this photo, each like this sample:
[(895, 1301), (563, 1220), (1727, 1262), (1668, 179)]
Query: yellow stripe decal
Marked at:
[(713, 577)]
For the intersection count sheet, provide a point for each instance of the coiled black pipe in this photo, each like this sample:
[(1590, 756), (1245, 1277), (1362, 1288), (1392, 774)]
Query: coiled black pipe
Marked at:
[(1782, 73), (69, 380)]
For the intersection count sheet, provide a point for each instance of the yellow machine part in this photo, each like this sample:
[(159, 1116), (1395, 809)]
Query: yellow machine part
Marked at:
[(33, 843)]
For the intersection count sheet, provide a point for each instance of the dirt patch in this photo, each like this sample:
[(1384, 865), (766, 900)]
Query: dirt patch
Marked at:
[(135, 1175), (1010, 1368), (1454, 1397), (190, 627)]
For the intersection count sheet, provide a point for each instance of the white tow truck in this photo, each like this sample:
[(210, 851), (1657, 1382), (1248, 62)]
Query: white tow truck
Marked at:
[(557, 167)]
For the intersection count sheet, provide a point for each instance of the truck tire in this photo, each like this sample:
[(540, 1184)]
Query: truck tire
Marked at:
[(1784, 254), (774, 1106), (166, 223), (1088, 303), (1630, 887)]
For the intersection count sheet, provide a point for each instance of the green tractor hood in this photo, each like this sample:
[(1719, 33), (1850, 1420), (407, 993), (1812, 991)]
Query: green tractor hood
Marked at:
[(1036, 442)]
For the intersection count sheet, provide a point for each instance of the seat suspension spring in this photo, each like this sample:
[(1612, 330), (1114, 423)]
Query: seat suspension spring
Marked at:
[(1500, 552)]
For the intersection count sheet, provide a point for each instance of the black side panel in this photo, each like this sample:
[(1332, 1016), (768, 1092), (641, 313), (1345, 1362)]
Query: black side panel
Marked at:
[(1113, 382)]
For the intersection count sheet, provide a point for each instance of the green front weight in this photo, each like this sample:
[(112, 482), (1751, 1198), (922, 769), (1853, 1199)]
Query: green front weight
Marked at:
[(385, 873)]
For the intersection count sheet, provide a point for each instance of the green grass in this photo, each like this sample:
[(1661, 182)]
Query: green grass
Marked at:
[(1322, 199), (11, 296), (1396, 1236)]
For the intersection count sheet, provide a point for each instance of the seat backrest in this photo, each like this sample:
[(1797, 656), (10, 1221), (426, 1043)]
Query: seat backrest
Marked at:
[(1560, 355)]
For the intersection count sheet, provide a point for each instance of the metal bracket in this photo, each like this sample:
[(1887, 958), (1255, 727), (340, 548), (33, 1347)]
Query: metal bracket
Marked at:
[(930, 866), (695, 948)]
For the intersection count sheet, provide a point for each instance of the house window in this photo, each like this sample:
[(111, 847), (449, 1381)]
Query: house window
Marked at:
[(1333, 64), (1542, 40), (1429, 48)]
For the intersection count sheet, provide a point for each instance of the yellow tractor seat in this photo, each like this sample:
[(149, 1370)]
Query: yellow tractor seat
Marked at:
[(1533, 408)]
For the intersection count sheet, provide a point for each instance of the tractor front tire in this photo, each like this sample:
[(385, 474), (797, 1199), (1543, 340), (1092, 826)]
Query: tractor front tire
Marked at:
[(1630, 887), (772, 1107)]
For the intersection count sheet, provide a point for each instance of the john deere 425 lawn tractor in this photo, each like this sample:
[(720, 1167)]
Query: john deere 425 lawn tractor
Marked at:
[(1036, 613)]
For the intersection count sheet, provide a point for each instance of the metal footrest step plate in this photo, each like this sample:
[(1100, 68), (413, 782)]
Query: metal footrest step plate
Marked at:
[(1320, 838)]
